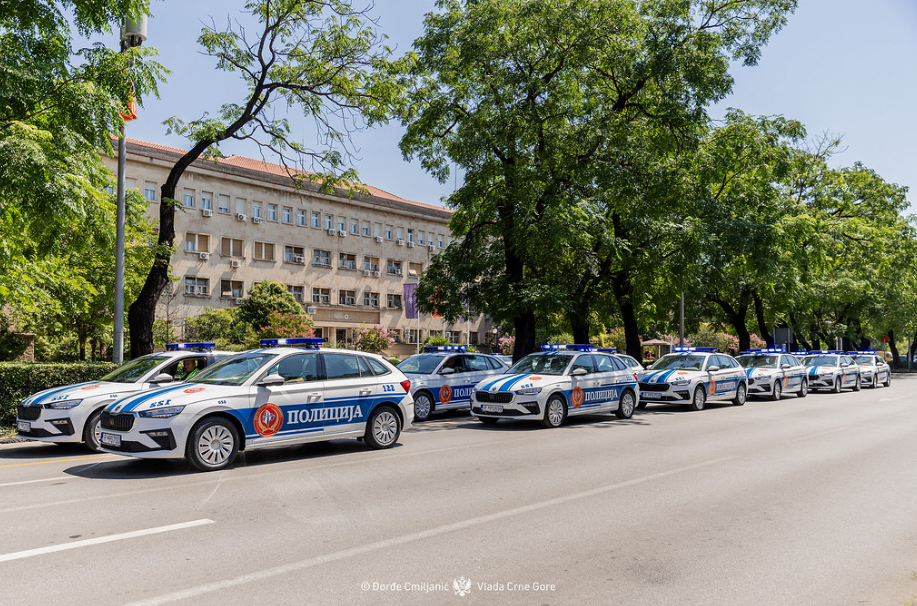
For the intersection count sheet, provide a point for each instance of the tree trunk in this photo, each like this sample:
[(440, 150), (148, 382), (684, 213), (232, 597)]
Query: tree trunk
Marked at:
[(763, 330), (524, 325), (92, 349), (896, 359), (578, 316), (737, 317), (623, 289)]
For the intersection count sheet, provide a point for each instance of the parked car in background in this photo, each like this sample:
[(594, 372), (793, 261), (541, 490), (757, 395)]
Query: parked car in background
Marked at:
[(694, 376), (874, 371), (774, 372), (832, 370)]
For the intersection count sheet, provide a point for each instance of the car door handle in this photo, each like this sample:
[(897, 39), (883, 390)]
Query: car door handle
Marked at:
[(315, 397), (365, 392)]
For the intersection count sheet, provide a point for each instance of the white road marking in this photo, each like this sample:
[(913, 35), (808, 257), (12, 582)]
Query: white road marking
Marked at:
[(262, 575), (895, 399), (36, 481), (99, 540)]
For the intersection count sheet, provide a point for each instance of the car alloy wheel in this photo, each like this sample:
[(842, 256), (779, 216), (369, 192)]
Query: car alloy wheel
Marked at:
[(423, 406)]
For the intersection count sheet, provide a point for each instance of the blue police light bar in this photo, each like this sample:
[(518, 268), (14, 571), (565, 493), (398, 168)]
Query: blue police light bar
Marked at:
[(579, 347), (826, 351), (445, 348), (180, 346), (701, 349), (868, 352), (608, 349), (310, 342)]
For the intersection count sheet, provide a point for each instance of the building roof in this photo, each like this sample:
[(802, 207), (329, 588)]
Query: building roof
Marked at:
[(270, 169)]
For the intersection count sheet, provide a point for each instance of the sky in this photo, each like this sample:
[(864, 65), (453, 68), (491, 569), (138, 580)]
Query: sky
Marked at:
[(843, 67)]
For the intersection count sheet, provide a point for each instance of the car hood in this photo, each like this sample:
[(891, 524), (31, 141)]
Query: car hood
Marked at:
[(181, 394), (82, 391), (671, 376), (507, 383), (814, 370), (759, 372)]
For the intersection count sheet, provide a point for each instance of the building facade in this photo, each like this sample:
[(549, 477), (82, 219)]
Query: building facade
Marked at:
[(346, 257)]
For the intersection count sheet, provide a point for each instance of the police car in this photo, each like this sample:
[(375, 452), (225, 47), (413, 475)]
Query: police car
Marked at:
[(632, 363), (443, 376), (560, 381), (873, 369), (694, 376), (774, 372), (833, 370), (264, 397), (72, 413)]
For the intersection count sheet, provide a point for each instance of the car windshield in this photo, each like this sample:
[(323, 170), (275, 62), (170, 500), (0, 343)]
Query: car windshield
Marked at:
[(543, 364), (135, 370), (758, 361), (421, 364), (821, 361), (235, 370), (679, 362), (864, 360)]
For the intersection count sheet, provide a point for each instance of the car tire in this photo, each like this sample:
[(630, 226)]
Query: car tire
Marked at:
[(875, 381), (382, 428), (423, 406), (837, 385), (699, 399), (741, 395), (213, 444), (488, 420), (856, 385), (92, 431), (777, 392), (888, 381), (555, 412), (626, 405), (803, 388)]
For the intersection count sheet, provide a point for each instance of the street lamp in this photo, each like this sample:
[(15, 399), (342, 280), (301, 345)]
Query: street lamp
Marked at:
[(133, 33)]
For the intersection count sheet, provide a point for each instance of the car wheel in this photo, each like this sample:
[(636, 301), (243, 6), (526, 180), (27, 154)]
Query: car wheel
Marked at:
[(699, 399), (382, 428), (837, 385), (777, 392), (856, 384), (555, 412), (92, 431), (488, 420), (803, 388), (626, 405), (875, 381), (888, 381), (423, 406), (741, 395), (213, 444)]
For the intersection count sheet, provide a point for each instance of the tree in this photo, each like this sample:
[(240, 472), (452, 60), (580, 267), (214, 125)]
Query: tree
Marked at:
[(531, 99), (320, 57), (264, 299)]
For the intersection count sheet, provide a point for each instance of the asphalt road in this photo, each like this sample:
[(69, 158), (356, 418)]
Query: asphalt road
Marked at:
[(802, 501)]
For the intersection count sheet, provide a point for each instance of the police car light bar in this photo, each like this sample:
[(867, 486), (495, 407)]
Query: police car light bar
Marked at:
[(180, 346), (869, 352), (766, 351), (311, 342), (608, 349), (826, 351), (445, 348), (579, 347), (702, 349)]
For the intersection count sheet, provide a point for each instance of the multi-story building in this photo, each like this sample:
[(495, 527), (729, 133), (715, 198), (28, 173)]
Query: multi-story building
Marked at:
[(345, 257)]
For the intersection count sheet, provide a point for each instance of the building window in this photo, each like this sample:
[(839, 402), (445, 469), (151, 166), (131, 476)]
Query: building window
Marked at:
[(329, 222), (230, 247), (411, 335), (149, 191), (394, 301), (348, 261), (473, 338), (388, 232), (287, 214), (206, 200), (223, 204), (294, 254), (256, 209), (109, 189), (197, 287), (271, 212), (231, 289), (322, 258), (316, 220), (347, 297), (188, 198), (367, 229), (371, 263), (400, 233), (321, 295), (301, 217), (440, 243), (342, 224), (355, 227), (296, 291), (420, 237), (241, 206), (393, 268), (371, 299), (197, 242), (415, 269), (264, 251), (410, 235), (377, 230)]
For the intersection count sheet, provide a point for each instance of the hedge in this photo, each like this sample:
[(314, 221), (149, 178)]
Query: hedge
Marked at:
[(19, 380)]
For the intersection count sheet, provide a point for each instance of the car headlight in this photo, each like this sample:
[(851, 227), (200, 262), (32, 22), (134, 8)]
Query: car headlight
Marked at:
[(64, 404), (530, 391), (680, 383), (162, 413)]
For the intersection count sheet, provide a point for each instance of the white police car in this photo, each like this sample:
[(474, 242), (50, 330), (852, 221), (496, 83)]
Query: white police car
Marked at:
[(632, 363), (443, 376), (774, 372), (560, 381), (72, 413), (832, 370), (873, 369), (694, 376), (264, 397)]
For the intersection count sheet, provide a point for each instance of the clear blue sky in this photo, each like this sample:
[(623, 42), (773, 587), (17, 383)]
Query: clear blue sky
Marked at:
[(845, 67)]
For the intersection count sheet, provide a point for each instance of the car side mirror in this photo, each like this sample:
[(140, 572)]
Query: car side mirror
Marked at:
[(447, 371), (577, 372), (785, 366), (272, 380), (844, 365), (163, 377), (712, 368)]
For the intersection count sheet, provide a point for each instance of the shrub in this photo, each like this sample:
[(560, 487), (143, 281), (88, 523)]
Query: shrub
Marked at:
[(284, 326), (265, 298), (19, 380), (374, 340), (506, 345)]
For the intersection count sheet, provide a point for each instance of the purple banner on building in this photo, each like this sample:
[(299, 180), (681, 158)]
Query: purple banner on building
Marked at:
[(410, 302)]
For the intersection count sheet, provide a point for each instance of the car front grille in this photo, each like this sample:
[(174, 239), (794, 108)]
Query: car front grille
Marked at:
[(493, 398), (117, 422), (654, 386), (28, 413)]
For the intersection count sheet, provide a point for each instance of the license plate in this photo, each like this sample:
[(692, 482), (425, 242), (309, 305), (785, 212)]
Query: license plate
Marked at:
[(111, 440), (23, 426), (491, 408)]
